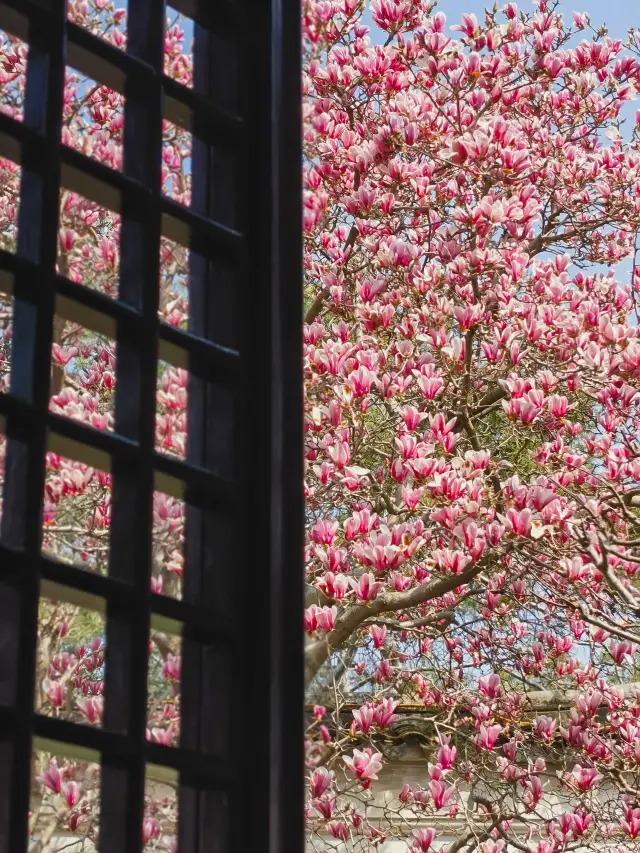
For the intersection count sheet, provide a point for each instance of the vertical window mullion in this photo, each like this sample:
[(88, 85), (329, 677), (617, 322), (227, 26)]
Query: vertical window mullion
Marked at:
[(211, 541), (271, 106), (123, 783)]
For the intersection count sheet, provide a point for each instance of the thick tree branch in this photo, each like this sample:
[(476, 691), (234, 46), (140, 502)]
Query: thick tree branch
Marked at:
[(313, 595), (433, 619), (486, 402), (352, 617)]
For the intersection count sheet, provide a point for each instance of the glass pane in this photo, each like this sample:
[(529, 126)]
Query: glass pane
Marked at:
[(93, 119), (83, 371), (13, 74), (168, 545), (106, 20), (76, 513), (174, 284), (6, 334), (70, 662), (178, 48), (177, 147), (163, 696), (88, 243), (64, 811), (9, 204), (171, 416)]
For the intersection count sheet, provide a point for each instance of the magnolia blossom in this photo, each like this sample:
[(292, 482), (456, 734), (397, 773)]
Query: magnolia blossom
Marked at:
[(421, 840), (364, 765), (51, 777)]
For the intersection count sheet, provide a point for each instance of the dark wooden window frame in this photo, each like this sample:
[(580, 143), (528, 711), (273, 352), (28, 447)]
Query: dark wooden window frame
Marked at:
[(239, 761)]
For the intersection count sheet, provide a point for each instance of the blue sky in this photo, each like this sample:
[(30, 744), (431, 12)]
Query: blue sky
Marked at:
[(618, 15)]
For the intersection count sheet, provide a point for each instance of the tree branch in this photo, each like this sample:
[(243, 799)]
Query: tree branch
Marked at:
[(352, 617)]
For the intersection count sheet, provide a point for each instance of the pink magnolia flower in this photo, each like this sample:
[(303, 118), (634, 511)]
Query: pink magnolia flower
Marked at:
[(631, 822), (55, 691), (150, 830), (326, 617), (363, 717), (441, 793), (468, 26), (521, 409), (421, 840), (171, 667), (321, 780), (67, 239), (324, 531), (621, 652), (412, 417), (340, 454), (558, 405), (487, 736), (378, 634), (325, 805), (452, 560), (51, 777), (584, 778), (383, 713), (91, 708), (364, 765), (544, 728), (533, 792), (338, 829), (519, 523), (366, 588), (334, 585), (163, 736), (581, 822), (447, 756), (311, 618), (70, 794), (491, 846), (491, 686)]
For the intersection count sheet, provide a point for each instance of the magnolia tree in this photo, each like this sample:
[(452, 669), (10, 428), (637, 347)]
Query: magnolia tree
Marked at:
[(471, 209)]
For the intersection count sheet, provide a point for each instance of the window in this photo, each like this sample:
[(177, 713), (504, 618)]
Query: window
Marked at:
[(231, 624)]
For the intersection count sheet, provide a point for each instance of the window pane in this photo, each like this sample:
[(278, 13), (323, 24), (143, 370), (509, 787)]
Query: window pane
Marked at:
[(70, 662), (178, 48), (88, 243), (106, 20), (93, 120), (76, 513), (65, 803), (13, 74)]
